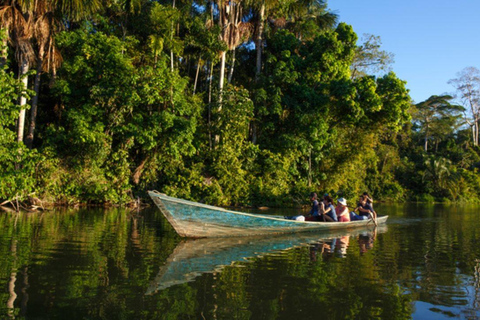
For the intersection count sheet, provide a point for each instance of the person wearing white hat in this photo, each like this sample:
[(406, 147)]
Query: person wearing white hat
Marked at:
[(343, 214)]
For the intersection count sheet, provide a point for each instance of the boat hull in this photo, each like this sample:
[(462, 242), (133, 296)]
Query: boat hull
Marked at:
[(196, 220)]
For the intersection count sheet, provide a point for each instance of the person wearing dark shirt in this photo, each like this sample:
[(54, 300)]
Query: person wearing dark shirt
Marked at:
[(314, 210), (369, 200), (365, 209), (314, 214)]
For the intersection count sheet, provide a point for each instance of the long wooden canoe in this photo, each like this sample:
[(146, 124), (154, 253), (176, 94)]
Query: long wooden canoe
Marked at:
[(196, 220)]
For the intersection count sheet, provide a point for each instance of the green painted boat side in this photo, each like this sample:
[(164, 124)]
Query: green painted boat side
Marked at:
[(196, 220)]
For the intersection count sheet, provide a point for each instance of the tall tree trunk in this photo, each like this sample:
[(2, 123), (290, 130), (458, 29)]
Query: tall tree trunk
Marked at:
[(171, 39), (220, 86), (259, 48), (196, 75), (259, 41), (210, 105), (222, 72), (473, 133), (33, 112), (476, 132), (137, 174), (230, 74), (425, 144), (23, 100), (254, 132), (310, 169)]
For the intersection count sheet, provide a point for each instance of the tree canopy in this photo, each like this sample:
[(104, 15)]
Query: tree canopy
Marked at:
[(225, 102)]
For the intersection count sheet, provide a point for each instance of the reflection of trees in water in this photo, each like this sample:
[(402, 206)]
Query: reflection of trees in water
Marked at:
[(433, 257), (303, 282), (96, 258), (108, 259), (11, 283), (476, 303)]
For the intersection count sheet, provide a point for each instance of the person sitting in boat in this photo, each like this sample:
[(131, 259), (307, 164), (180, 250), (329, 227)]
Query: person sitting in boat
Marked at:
[(369, 200), (343, 215), (365, 210), (313, 212), (327, 210)]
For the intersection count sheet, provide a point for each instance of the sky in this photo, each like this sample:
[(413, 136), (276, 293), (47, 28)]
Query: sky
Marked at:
[(431, 40)]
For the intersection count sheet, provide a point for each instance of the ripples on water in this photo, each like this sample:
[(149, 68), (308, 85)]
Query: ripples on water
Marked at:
[(96, 264)]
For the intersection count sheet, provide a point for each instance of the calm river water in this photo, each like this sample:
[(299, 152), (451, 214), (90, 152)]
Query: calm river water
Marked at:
[(117, 264)]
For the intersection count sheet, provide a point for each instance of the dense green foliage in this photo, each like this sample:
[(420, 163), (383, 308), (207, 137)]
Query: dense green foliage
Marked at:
[(139, 103)]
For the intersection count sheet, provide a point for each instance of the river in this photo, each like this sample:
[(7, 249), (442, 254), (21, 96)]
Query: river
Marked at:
[(121, 264)]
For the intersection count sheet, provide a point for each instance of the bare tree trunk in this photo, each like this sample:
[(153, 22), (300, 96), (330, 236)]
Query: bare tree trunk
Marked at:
[(222, 72), (259, 47), (23, 100), (230, 74), (33, 112), (254, 132), (196, 75), (210, 105), (425, 146), (139, 170), (210, 83), (310, 169), (476, 132), (220, 86), (259, 41), (171, 38)]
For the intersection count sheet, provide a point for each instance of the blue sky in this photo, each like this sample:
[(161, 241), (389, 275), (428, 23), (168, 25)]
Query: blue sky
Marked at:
[(431, 40)]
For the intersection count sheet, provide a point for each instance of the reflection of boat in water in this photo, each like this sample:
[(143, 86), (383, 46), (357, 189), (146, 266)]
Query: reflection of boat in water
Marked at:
[(193, 257), (196, 220)]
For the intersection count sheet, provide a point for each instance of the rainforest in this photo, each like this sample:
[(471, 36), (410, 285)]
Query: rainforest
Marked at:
[(251, 103)]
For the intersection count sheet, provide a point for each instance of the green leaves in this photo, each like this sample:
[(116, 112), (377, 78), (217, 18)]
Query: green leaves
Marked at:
[(122, 121), (17, 163)]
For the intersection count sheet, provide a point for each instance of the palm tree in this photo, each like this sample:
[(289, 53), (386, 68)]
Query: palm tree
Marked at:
[(17, 20), (156, 44), (234, 30), (29, 22), (303, 14), (261, 10), (437, 170), (47, 57)]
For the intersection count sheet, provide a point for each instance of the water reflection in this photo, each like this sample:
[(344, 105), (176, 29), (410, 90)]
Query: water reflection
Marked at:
[(99, 264), (191, 258), (330, 247), (337, 247)]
